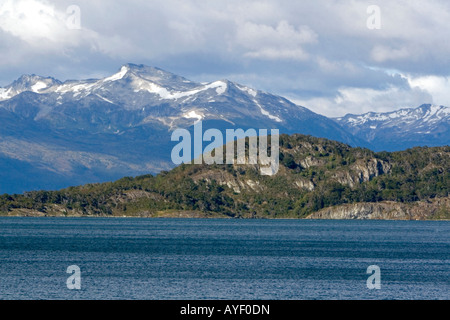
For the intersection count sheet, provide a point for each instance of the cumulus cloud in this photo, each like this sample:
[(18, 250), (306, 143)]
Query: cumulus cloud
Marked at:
[(437, 86), (38, 24), (362, 100), (38, 27), (30, 20), (404, 91)]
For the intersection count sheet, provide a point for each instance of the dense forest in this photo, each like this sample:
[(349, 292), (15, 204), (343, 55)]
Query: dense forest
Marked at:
[(314, 174)]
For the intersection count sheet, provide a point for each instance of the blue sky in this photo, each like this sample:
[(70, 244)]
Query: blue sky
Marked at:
[(320, 54)]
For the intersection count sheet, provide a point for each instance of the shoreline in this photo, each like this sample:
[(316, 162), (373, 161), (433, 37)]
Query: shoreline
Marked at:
[(208, 218)]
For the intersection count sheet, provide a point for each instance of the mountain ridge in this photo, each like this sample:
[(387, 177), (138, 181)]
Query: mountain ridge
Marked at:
[(100, 130), (426, 125), (104, 129)]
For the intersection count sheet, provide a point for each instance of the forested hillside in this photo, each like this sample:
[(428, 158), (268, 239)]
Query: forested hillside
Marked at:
[(314, 174)]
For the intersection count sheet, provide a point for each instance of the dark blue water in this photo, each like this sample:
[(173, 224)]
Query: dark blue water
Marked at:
[(222, 259)]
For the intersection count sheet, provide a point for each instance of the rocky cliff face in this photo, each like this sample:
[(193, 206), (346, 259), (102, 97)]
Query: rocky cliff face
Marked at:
[(422, 210), (362, 171)]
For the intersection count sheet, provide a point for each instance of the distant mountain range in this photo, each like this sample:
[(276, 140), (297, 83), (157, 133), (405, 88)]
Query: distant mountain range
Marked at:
[(426, 125), (56, 134)]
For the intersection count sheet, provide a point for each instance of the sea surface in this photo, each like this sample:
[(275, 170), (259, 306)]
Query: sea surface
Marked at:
[(192, 259)]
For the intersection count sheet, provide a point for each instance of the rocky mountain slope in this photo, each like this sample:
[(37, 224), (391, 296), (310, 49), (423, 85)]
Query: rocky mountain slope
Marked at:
[(387, 210)]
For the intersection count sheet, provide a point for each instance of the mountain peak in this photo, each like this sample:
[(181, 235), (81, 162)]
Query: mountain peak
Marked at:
[(143, 69), (28, 82), (434, 109), (31, 79), (149, 74), (119, 75)]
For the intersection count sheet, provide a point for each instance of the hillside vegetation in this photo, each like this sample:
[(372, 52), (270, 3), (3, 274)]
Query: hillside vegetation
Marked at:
[(315, 175)]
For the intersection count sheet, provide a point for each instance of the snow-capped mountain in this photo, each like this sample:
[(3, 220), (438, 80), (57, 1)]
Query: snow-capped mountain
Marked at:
[(427, 125), (31, 83), (56, 134), (152, 95)]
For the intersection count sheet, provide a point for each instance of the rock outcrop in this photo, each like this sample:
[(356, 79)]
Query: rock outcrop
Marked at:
[(422, 210), (362, 171)]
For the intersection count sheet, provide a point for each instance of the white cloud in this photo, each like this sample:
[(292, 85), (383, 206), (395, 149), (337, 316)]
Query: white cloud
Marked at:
[(281, 42), (363, 100), (437, 86), (412, 92), (36, 22), (46, 29)]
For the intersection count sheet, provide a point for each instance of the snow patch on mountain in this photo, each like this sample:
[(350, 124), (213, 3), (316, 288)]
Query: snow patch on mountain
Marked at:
[(107, 100), (142, 85), (5, 93), (434, 111), (220, 86), (250, 91), (76, 88), (38, 86), (119, 75), (193, 115), (266, 113)]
